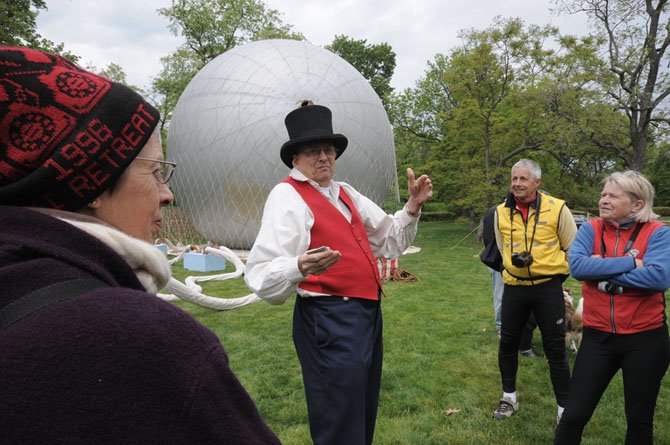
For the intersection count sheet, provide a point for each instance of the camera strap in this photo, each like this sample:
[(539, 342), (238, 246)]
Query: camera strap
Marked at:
[(629, 244), (536, 218)]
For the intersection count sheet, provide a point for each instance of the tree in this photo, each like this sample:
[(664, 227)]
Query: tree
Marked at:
[(657, 172), (468, 110), (178, 70), (18, 27), (210, 28), (415, 112), (488, 70), (376, 62), (507, 92), (636, 40), (19, 21), (114, 72)]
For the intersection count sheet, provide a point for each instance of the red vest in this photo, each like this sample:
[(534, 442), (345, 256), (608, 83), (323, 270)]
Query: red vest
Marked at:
[(356, 273), (636, 310)]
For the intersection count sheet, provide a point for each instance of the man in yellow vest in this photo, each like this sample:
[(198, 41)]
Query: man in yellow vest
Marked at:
[(533, 231), (320, 238)]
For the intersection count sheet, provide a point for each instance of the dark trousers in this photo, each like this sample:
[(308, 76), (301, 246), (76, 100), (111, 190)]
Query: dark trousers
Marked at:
[(643, 359), (545, 302), (339, 345), (526, 341)]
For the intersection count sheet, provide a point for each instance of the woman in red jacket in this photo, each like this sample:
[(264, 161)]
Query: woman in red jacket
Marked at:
[(623, 258)]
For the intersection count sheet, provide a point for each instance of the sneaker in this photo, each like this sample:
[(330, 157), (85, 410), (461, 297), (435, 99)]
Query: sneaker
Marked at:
[(530, 353), (506, 409)]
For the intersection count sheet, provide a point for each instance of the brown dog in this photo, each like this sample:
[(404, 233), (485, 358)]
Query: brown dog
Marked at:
[(573, 321)]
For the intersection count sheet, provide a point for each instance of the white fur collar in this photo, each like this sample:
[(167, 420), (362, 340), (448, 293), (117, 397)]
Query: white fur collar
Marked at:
[(149, 264)]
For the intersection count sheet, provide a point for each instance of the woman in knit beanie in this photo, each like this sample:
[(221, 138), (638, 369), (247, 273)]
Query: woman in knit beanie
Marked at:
[(87, 353)]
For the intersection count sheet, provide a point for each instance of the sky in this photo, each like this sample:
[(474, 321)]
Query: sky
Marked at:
[(133, 35)]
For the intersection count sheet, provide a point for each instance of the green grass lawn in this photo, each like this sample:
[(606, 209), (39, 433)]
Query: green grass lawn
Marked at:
[(440, 354)]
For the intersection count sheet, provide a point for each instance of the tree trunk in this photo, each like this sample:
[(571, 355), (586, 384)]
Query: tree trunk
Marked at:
[(639, 142)]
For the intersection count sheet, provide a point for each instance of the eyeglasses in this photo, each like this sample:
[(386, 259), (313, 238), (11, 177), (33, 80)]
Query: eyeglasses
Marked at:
[(164, 173), (313, 152)]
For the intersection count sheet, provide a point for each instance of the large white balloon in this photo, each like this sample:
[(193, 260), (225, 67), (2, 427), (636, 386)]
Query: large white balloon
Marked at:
[(228, 127)]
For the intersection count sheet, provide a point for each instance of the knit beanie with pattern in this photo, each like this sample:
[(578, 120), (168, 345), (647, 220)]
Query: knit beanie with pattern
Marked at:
[(66, 134)]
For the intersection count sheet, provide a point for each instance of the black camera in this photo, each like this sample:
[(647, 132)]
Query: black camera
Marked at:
[(523, 259), (610, 288)]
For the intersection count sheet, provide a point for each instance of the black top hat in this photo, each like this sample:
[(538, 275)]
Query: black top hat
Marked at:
[(310, 123)]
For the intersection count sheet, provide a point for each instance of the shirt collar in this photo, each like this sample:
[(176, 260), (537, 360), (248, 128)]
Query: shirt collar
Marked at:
[(511, 200), (627, 224), (299, 176)]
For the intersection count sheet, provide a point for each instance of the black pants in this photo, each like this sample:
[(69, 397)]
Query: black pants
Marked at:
[(526, 341), (643, 359), (339, 345), (545, 302)]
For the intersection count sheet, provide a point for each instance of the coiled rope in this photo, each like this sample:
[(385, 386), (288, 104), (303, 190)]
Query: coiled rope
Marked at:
[(190, 291)]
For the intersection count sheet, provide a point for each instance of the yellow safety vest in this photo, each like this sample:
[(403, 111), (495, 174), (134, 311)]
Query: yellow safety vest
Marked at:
[(542, 231)]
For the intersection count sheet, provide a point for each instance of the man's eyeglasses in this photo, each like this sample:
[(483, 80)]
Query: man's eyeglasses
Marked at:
[(166, 169), (313, 152)]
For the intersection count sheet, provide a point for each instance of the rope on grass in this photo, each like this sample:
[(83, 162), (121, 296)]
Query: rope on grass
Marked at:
[(398, 274), (466, 236), (190, 291)]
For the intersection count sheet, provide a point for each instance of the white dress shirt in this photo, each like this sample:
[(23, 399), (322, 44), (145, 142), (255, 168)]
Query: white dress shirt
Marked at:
[(272, 268)]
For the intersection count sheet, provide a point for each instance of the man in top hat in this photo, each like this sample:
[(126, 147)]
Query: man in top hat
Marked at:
[(320, 238)]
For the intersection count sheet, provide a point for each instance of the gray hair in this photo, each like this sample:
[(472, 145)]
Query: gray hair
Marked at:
[(535, 170), (637, 187)]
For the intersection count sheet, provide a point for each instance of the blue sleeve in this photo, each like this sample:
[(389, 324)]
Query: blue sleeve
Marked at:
[(585, 267), (655, 275)]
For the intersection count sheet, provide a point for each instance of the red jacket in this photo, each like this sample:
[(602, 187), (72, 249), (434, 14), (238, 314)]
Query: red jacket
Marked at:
[(634, 310)]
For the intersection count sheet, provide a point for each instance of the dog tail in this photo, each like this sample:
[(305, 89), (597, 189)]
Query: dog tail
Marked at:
[(577, 320)]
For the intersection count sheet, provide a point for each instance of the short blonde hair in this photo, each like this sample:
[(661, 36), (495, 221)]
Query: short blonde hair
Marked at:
[(637, 187)]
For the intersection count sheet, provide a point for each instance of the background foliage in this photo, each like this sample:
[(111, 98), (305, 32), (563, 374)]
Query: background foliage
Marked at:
[(581, 107)]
